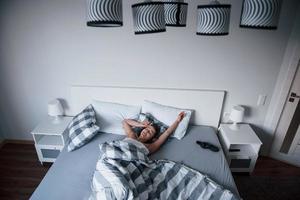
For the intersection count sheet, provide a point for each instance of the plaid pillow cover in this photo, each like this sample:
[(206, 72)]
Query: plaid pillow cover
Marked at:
[(82, 128)]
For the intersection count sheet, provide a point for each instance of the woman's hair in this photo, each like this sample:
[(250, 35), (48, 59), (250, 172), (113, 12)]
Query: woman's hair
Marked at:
[(157, 129), (138, 130)]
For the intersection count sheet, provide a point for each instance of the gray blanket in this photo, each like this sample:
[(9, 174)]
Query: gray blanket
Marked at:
[(124, 171)]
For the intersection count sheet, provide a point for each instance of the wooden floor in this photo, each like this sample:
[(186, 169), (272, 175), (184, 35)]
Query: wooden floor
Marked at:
[(21, 172), (271, 180)]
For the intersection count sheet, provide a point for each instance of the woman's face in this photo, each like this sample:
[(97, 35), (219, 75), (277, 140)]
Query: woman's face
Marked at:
[(147, 134)]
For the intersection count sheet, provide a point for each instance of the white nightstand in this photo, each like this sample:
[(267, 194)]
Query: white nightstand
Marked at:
[(50, 138), (240, 146)]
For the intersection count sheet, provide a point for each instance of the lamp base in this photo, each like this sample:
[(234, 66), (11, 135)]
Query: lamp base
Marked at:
[(234, 126), (56, 120)]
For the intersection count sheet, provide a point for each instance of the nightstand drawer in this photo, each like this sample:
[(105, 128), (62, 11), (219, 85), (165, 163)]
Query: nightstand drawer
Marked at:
[(240, 162), (48, 153), (241, 149)]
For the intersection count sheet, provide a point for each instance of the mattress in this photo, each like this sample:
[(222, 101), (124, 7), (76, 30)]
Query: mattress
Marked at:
[(71, 175)]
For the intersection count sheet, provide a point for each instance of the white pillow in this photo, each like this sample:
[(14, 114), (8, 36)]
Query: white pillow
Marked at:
[(110, 116), (168, 115)]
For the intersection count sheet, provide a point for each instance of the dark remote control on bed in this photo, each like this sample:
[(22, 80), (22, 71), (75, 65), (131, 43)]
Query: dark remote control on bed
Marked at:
[(206, 145)]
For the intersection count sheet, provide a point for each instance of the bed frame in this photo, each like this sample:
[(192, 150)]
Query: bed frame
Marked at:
[(207, 104)]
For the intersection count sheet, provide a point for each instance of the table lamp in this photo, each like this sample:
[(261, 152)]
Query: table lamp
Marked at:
[(236, 116), (56, 110)]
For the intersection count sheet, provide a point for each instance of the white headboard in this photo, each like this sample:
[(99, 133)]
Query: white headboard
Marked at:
[(207, 104)]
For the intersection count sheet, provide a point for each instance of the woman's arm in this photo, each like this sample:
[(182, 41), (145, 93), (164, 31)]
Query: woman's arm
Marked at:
[(135, 123), (153, 147), (128, 130)]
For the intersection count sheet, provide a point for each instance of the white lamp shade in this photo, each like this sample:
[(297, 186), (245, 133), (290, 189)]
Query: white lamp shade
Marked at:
[(55, 108), (237, 114)]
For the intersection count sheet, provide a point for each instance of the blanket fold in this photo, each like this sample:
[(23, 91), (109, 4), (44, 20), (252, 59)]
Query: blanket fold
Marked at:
[(124, 171)]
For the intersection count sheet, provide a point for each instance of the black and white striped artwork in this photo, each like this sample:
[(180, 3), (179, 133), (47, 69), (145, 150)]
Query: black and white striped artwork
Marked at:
[(148, 17), (263, 14), (213, 19), (175, 12), (105, 13)]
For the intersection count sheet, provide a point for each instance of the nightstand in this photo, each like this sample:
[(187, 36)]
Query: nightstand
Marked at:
[(50, 138), (241, 147)]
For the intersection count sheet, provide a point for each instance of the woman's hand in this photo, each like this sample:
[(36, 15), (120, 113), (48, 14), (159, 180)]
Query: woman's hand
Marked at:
[(180, 116), (145, 123)]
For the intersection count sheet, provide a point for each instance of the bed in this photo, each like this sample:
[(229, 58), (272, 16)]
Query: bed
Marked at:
[(71, 175)]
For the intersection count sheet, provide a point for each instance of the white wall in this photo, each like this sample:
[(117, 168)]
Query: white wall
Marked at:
[(46, 46)]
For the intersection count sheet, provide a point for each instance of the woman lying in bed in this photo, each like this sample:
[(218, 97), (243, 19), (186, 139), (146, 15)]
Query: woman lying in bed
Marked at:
[(148, 132)]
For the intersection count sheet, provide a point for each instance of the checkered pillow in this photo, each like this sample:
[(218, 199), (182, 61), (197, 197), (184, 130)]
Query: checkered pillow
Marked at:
[(82, 128)]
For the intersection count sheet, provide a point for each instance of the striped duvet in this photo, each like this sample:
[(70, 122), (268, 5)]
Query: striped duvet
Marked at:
[(124, 171)]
